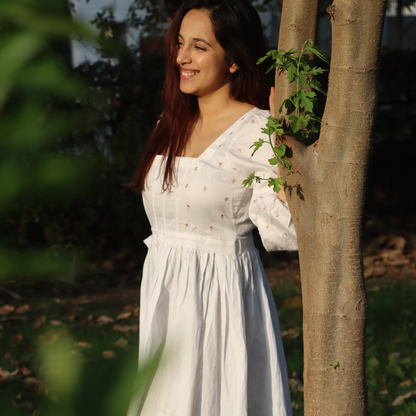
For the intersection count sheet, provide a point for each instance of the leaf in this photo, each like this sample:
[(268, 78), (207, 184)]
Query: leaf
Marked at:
[(109, 354), (6, 309), (23, 309), (126, 328), (104, 319), (291, 72), (256, 146), (276, 184), (124, 315), (400, 399), (307, 99), (287, 103), (315, 84), (83, 344), (121, 342), (279, 150), (316, 51), (55, 323), (273, 161), (297, 122), (248, 182), (39, 321)]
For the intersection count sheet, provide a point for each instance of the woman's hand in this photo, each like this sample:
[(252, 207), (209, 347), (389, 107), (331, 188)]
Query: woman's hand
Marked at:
[(281, 194)]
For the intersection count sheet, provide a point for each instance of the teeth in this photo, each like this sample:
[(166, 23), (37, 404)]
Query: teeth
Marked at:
[(189, 73)]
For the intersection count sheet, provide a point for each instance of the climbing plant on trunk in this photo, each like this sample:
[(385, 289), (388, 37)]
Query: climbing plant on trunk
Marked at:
[(326, 196)]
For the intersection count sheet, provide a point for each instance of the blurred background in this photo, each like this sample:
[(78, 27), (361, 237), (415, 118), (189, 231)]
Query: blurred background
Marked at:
[(80, 89)]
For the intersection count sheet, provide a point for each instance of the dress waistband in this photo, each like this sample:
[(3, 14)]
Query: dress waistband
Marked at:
[(201, 242)]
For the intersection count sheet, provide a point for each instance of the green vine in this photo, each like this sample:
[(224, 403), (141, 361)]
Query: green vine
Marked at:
[(302, 100)]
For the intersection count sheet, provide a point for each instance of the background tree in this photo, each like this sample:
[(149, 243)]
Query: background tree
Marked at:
[(326, 196)]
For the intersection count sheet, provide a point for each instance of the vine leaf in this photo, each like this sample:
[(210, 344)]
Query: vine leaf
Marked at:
[(256, 146)]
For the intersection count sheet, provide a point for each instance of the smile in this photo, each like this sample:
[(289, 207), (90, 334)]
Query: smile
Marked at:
[(188, 74)]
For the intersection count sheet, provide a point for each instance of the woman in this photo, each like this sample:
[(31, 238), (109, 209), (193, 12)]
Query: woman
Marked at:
[(205, 300)]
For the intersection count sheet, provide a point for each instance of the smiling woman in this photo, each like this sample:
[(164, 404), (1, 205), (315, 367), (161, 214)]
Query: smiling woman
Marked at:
[(206, 306)]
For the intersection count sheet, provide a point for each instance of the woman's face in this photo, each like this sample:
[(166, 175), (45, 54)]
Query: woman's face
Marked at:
[(201, 60)]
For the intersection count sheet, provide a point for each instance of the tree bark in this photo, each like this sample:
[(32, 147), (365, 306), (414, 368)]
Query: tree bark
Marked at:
[(326, 195)]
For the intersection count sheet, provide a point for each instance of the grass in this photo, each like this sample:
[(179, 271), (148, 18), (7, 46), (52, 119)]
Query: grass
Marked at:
[(72, 379)]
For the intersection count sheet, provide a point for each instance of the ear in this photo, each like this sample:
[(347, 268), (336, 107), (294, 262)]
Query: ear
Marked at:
[(233, 68)]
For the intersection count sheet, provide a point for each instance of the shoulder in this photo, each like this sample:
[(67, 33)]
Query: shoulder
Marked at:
[(257, 117)]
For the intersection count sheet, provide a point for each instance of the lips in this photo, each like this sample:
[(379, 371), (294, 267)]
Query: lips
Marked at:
[(188, 73)]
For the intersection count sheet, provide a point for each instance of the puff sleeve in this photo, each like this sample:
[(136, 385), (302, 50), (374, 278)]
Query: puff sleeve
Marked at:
[(267, 212)]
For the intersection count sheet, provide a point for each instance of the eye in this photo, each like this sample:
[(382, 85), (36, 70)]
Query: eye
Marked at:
[(200, 48), (179, 43)]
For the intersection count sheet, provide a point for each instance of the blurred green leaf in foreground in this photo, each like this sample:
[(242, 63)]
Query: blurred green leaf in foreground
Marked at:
[(34, 172), (31, 75)]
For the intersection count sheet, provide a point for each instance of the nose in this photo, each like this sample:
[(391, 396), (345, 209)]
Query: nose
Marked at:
[(183, 55)]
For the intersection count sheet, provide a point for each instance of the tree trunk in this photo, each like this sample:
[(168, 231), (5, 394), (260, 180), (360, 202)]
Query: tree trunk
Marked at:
[(326, 195), (399, 25)]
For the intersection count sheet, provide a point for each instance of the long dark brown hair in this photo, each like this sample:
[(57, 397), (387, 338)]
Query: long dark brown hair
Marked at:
[(237, 28)]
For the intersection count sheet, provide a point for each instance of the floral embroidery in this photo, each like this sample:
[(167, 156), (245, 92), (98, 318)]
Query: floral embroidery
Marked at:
[(281, 248), (268, 226), (205, 188), (239, 150), (222, 216), (261, 196), (231, 133), (220, 145), (254, 201), (186, 225), (285, 234), (211, 227), (188, 206), (264, 207), (186, 185), (243, 118), (233, 181), (264, 175), (196, 168), (252, 121), (226, 199), (234, 169), (277, 214), (219, 164)]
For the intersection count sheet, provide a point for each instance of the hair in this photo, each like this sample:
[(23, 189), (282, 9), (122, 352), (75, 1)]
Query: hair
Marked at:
[(238, 29)]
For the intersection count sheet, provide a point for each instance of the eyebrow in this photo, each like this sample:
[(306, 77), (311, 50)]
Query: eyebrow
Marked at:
[(196, 39)]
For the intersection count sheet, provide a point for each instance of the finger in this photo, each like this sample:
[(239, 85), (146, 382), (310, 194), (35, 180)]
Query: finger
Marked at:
[(271, 100)]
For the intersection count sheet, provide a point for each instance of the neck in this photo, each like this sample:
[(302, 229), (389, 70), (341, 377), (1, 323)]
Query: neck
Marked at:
[(215, 105)]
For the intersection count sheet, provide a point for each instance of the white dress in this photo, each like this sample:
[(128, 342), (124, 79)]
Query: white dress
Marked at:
[(205, 301)]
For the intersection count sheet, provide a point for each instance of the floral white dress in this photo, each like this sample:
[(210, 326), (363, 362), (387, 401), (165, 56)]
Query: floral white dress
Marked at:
[(205, 300)]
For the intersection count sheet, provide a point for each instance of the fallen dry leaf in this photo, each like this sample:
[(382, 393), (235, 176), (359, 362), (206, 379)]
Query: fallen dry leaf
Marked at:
[(40, 321), (294, 302), (6, 309), (406, 383), (24, 370), (108, 265), (71, 317), (55, 323), (23, 309), (31, 380), (128, 307), (18, 337), (400, 399), (126, 328), (121, 342), (384, 391), (124, 315), (83, 344), (395, 356), (109, 354), (290, 333), (104, 319), (7, 374)]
